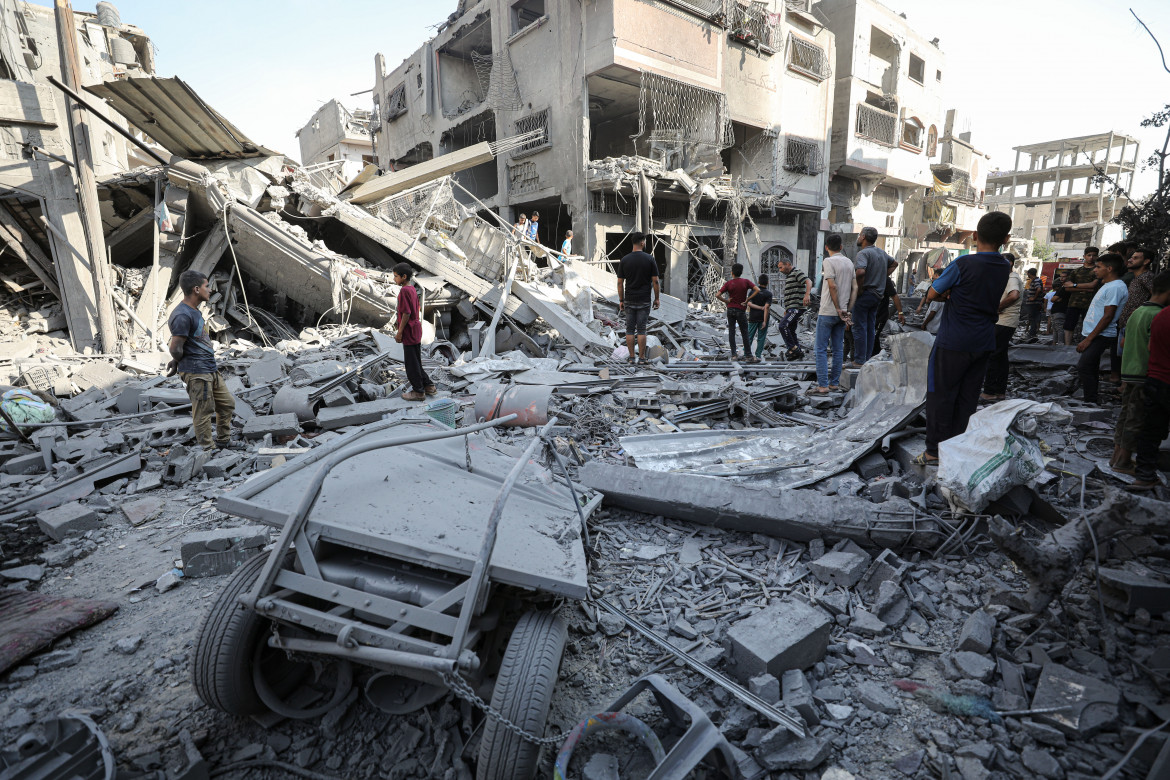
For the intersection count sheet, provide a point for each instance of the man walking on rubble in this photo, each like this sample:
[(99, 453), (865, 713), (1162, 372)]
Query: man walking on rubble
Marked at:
[(193, 357), (966, 337), (759, 308), (838, 287), (637, 276), (871, 280), (534, 228), (797, 291), (735, 294), (1081, 285), (409, 335)]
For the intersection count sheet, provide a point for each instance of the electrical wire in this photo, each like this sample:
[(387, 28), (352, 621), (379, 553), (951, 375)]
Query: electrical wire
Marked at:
[(240, 276)]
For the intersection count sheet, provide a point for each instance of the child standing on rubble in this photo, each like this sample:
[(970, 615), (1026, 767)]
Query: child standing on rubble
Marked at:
[(409, 335), (193, 357)]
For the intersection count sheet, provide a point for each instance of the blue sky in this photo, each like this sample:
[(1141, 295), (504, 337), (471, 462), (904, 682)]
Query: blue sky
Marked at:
[(1023, 70)]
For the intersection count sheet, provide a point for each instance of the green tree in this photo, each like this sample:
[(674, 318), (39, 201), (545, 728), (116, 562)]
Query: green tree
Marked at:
[(1043, 252)]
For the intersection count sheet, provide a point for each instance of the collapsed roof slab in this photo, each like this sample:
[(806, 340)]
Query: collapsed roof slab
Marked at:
[(444, 165), (283, 262), (604, 283), (796, 515), (399, 243)]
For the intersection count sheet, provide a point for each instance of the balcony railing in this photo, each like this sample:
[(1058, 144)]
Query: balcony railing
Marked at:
[(877, 125), (807, 58)]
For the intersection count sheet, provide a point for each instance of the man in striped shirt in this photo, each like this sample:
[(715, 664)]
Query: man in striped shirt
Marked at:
[(797, 289)]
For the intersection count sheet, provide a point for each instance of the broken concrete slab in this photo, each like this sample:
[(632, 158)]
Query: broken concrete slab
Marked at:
[(142, 510), (220, 551), (788, 634), (1093, 704), (331, 418), (840, 568), (1128, 592), (798, 696), (551, 309), (67, 519), (977, 632), (275, 425), (797, 515)]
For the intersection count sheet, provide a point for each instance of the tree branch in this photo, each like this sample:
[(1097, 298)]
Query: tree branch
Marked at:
[(1156, 43)]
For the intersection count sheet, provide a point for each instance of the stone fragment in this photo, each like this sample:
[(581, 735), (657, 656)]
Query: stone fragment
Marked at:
[(220, 551), (33, 463), (71, 518), (149, 480), (276, 425), (58, 659), (786, 635), (684, 629), (872, 465), (29, 573), (766, 686), (984, 751), (798, 696), (838, 712), (142, 510), (128, 645), (976, 635), (891, 605), (611, 625), (877, 698), (1093, 704), (909, 763), (1043, 733), (806, 753), (971, 768), (865, 622), (1041, 762), (168, 580), (843, 569), (973, 665)]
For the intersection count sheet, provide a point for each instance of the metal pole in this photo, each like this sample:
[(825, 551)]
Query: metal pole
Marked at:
[(79, 100)]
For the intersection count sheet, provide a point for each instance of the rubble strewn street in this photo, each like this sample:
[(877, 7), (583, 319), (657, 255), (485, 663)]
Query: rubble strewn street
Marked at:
[(556, 555)]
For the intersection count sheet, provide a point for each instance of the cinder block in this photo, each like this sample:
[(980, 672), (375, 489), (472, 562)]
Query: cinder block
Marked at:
[(219, 467), (183, 464), (786, 635), (842, 568), (977, 632), (71, 518), (276, 424), (358, 414), (221, 551), (33, 463), (872, 465)]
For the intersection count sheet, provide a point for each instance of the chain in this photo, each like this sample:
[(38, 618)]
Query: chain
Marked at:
[(462, 689)]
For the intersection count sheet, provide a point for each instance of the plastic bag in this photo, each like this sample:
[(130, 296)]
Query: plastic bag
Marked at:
[(24, 408), (998, 451)]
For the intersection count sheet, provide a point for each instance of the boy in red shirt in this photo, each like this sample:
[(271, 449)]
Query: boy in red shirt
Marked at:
[(735, 293), (409, 335), (1155, 420)]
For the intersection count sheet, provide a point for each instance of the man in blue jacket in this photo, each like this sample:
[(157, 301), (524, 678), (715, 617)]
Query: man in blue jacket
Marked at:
[(966, 337)]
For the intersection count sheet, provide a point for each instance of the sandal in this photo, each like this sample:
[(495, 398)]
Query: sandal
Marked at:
[(925, 460), (817, 391), (834, 388)]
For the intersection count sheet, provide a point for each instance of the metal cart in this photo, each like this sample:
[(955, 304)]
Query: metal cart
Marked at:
[(396, 553)]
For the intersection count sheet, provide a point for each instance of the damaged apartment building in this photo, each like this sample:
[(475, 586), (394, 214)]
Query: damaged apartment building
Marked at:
[(703, 123), (42, 223), (899, 160), (336, 142)]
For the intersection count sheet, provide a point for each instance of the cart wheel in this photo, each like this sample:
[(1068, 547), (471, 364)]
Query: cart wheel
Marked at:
[(225, 652), (523, 693)]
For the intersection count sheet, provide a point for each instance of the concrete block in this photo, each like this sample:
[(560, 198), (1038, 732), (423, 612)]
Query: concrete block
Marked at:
[(976, 635), (799, 754), (1093, 704), (886, 567), (766, 686), (786, 635), (331, 418), (798, 696), (71, 518), (275, 424), (891, 605), (149, 480), (221, 551), (219, 467), (138, 512), (267, 369), (877, 698), (338, 396), (973, 665), (843, 569), (183, 464), (872, 465), (33, 463)]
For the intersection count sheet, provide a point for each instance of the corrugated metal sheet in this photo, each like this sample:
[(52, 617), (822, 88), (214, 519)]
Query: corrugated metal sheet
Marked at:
[(172, 114)]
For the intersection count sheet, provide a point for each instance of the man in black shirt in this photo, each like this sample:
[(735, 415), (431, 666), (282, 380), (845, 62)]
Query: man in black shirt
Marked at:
[(890, 293), (637, 275)]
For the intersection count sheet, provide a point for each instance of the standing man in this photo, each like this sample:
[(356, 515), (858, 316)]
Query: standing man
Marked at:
[(1058, 308), (1081, 285), (521, 226), (567, 244), (889, 293), (534, 227), (409, 334), (1155, 417), (637, 276), (1141, 265), (1135, 359), (735, 293), (837, 287), (966, 337), (1100, 324), (759, 308), (1033, 305), (797, 290), (193, 357), (995, 385), (871, 266)]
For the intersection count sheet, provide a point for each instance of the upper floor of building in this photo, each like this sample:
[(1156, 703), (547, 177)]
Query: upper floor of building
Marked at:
[(1065, 172), (335, 130)]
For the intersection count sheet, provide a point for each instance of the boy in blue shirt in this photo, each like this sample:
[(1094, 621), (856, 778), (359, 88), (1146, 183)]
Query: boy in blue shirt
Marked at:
[(1100, 323), (966, 337)]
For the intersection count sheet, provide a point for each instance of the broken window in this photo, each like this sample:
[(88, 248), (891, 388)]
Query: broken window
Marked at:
[(523, 178), (882, 45), (771, 257), (877, 125), (807, 58), (396, 103), (497, 80), (533, 123), (885, 198), (803, 155), (931, 141), (917, 68), (938, 75), (682, 120), (912, 131), (525, 13)]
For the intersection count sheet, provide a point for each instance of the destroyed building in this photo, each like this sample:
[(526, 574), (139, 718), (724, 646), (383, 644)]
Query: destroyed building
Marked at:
[(1053, 196), (336, 142), (704, 124)]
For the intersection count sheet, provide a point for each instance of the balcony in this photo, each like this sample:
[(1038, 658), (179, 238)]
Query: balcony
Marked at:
[(807, 59), (877, 125)]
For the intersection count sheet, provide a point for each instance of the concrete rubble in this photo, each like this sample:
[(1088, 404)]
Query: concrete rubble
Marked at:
[(787, 542)]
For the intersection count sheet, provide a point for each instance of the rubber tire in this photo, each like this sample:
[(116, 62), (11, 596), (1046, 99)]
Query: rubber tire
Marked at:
[(523, 693), (222, 667)]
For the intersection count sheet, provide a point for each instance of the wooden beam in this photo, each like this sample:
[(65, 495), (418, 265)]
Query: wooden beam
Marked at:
[(87, 201), (21, 244), (444, 165)]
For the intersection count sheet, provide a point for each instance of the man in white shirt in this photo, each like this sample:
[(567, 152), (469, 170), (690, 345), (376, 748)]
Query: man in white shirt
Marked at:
[(995, 383), (1100, 323), (838, 292)]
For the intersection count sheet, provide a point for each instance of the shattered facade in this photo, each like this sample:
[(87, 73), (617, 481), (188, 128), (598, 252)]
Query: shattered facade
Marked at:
[(1051, 194), (704, 125), (335, 143)]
